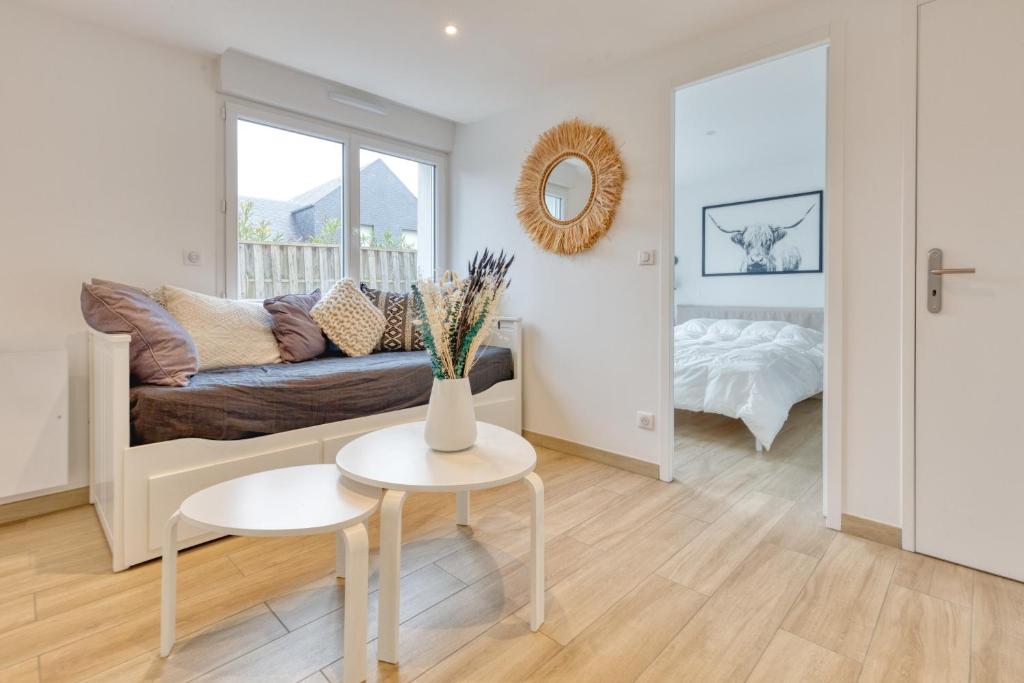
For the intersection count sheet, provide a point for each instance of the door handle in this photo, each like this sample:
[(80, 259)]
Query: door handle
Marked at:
[(935, 273), (951, 271)]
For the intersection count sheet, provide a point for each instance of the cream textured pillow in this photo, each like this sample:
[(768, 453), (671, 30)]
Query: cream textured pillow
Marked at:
[(226, 332), (349, 319)]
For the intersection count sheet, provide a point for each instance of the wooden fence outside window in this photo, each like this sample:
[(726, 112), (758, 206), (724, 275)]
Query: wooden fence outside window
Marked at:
[(267, 269)]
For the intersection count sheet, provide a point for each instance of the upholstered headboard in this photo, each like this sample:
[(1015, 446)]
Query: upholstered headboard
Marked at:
[(813, 318)]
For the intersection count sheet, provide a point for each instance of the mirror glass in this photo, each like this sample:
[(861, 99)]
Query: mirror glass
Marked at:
[(567, 189)]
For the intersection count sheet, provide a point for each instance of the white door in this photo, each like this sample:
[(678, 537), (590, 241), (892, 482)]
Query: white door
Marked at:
[(970, 356)]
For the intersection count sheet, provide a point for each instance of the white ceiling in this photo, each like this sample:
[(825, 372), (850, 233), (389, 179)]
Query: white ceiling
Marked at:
[(397, 48), (766, 116)]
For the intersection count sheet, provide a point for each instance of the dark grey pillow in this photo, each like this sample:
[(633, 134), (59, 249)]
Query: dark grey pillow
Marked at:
[(161, 351), (298, 336), (400, 332)]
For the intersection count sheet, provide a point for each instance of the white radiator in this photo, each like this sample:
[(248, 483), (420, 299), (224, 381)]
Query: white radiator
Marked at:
[(33, 421)]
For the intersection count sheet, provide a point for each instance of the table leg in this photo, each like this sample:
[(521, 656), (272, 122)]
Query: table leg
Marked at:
[(339, 554), (462, 508), (356, 544), (169, 585), (390, 561), (536, 551)]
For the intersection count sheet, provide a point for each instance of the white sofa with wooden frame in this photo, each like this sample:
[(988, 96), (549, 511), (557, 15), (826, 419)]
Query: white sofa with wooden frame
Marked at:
[(136, 488)]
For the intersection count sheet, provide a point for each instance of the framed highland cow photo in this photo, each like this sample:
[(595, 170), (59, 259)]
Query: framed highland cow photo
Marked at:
[(770, 236)]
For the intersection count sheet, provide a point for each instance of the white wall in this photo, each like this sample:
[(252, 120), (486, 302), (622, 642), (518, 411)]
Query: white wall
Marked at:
[(757, 132), (592, 343), (110, 168)]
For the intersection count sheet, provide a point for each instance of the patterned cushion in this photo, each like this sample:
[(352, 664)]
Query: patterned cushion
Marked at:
[(349, 319), (401, 333), (227, 333)]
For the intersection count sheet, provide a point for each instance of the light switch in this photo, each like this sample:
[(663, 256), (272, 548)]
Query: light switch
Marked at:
[(645, 257)]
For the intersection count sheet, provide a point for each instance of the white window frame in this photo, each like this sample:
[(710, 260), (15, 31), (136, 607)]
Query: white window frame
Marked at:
[(352, 140)]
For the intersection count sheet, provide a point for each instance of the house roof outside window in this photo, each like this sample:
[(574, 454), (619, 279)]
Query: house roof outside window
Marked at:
[(385, 203)]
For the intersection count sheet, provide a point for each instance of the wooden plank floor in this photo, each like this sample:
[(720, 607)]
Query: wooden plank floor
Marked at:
[(726, 574)]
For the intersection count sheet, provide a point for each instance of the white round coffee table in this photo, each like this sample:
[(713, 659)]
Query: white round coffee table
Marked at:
[(292, 501), (398, 459)]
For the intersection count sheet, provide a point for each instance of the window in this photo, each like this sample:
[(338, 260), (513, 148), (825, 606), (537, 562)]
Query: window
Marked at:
[(396, 220), (295, 187), (290, 211)]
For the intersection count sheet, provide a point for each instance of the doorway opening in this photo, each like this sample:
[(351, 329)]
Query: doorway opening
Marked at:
[(749, 280)]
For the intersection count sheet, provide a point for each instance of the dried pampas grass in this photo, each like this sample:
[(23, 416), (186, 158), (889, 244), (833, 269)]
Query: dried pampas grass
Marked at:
[(456, 315), (596, 148)]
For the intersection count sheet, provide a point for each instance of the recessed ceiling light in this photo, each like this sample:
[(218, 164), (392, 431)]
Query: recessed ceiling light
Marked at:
[(451, 29)]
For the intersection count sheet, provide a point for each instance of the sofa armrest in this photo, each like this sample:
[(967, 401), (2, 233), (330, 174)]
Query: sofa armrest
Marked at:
[(109, 433)]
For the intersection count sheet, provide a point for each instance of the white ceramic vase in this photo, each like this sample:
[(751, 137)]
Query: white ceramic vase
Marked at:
[(451, 420)]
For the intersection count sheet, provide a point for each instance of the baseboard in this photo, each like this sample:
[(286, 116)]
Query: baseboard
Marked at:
[(623, 462), (41, 505), (873, 531)]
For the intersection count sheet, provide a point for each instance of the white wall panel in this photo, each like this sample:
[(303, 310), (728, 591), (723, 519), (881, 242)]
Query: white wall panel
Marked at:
[(33, 422)]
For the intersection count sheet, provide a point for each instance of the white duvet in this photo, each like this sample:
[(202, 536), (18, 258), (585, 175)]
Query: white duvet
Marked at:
[(754, 371)]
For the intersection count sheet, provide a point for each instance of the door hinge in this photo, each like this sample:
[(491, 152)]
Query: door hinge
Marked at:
[(223, 112), (223, 206)]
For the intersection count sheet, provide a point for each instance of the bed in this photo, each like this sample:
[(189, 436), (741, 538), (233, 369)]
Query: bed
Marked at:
[(751, 370), (143, 463)]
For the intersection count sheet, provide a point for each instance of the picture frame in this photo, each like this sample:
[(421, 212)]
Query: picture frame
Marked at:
[(780, 235)]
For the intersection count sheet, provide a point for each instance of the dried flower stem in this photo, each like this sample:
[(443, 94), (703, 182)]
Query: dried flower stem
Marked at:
[(457, 315)]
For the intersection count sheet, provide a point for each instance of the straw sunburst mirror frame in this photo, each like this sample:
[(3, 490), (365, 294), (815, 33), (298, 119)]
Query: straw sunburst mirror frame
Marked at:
[(596, 148)]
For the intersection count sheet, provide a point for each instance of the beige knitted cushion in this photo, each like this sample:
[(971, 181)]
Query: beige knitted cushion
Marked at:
[(349, 319), (226, 332)]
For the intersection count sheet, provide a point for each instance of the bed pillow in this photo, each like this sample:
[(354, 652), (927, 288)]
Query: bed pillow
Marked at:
[(161, 351), (349, 319), (400, 331), (694, 328), (726, 330), (801, 336), (226, 332), (763, 330), (298, 336), (156, 294)]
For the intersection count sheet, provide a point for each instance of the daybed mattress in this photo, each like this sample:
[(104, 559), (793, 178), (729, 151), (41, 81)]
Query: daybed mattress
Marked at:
[(754, 371), (243, 402)]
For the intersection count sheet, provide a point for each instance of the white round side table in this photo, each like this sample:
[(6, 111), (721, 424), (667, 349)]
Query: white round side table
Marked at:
[(292, 501), (398, 459)]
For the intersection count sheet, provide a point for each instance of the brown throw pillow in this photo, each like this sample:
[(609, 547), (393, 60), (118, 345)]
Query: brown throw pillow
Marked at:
[(298, 335), (400, 334), (161, 351), (155, 294)]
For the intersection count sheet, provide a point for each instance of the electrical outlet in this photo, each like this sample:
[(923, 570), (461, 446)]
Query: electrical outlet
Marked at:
[(191, 257), (645, 420), (645, 257)]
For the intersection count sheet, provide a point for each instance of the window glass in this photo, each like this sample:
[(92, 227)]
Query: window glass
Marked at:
[(290, 211), (396, 220)]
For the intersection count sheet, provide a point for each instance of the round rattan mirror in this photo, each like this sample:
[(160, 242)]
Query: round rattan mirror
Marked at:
[(570, 187)]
